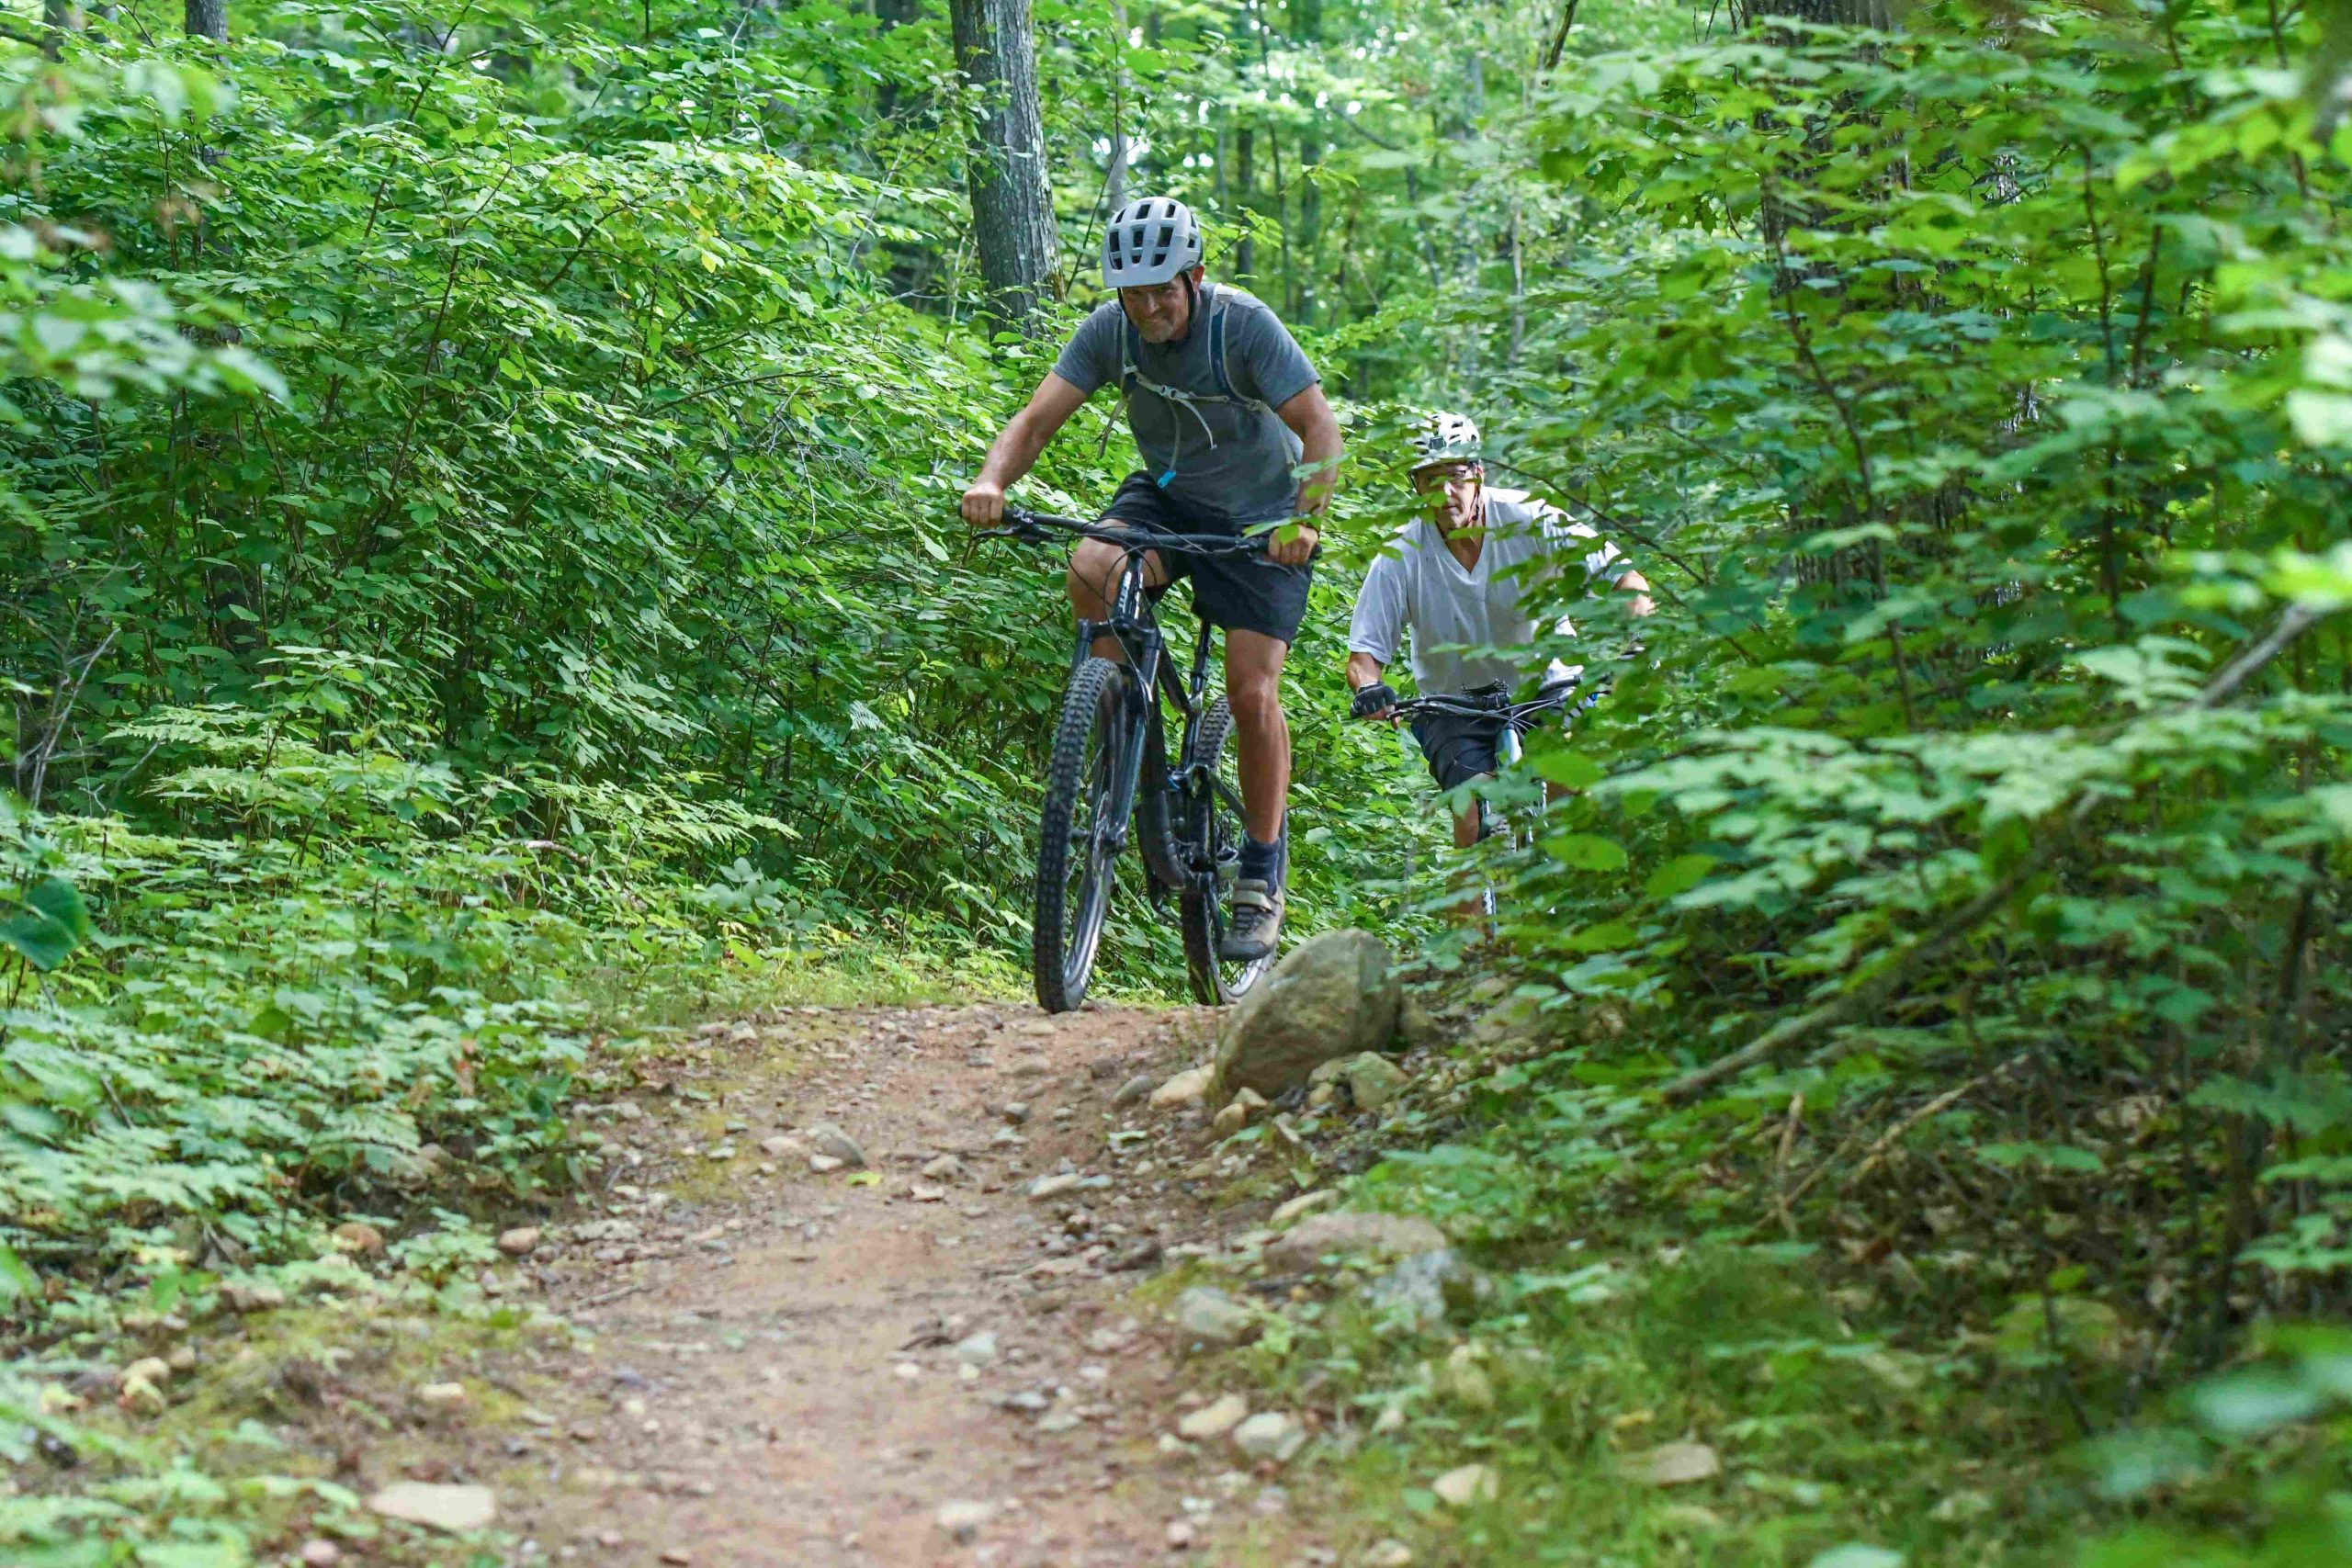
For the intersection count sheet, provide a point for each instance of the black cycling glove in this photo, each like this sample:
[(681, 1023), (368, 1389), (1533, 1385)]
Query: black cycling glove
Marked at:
[(1369, 700)]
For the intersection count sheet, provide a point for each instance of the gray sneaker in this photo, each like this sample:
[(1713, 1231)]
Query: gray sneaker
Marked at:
[(1257, 922)]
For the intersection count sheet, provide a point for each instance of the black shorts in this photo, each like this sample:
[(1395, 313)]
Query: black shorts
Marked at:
[(1238, 592), (1461, 747)]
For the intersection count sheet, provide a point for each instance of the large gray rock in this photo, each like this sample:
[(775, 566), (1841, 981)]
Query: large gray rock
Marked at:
[(1331, 996)]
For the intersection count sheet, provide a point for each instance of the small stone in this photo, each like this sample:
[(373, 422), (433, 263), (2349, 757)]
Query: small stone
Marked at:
[(783, 1146), (457, 1509), (1270, 1434), (148, 1368), (1055, 1186), (629, 1111), (442, 1395), (1237, 1113), (946, 1168), (1692, 1518), (961, 1520), (1470, 1483), (1181, 1535), (1954, 1508), (1304, 1204), (182, 1358), (519, 1242), (253, 1298), (321, 1553), (141, 1396), (358, 1239), (1374, 1080), (1389, 1554), (1214, 1419), (678, 1557), (1679, 1464), (1186, 1087), (829, 1140), (922, 1194), (978, 1350), (1135, 1089), (1014, 1112), (824, 1163), (1206, 1315)]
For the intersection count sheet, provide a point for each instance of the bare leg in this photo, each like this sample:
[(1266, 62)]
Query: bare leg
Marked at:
[(1471, 908), (1253, 670), (1092, 579)]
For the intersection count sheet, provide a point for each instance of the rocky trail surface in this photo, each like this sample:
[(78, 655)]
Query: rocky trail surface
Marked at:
[(863, 1291)]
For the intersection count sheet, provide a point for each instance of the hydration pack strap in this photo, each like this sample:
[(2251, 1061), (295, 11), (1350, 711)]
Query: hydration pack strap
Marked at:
[(1131, 378)]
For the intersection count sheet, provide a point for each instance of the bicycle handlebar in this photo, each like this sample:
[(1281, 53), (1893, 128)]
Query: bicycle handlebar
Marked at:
[(1518, 716), (1031, 527)]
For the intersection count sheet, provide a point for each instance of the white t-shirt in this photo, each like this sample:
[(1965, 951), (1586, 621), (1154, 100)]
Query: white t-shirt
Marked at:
[(1454, 611)]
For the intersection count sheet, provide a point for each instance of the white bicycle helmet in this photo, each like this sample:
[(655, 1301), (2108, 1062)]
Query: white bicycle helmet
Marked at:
[(1149, 242), (1444, 438)]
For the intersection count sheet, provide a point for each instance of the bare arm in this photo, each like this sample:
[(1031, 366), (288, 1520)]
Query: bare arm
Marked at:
[(1363, 671), (1310, 418), (1634, 582), (1014, 451)]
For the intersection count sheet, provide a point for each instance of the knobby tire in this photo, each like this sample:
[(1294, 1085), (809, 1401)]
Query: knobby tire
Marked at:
[(1215, 981), (1080, 779)]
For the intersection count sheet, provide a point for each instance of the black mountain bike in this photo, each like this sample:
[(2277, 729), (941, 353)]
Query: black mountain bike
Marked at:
[(1111, 765)]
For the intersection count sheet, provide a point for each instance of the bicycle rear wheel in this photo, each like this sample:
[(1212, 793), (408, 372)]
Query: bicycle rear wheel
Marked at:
[(1213, 829), (1075, 842)]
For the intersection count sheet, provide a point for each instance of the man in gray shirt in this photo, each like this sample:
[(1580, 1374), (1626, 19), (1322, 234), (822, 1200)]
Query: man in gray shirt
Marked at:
[(1457, 580), (1228, 414)]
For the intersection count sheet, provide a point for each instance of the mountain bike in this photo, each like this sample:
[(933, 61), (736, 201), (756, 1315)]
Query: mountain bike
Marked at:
[(1517, 719), (1109, 766)]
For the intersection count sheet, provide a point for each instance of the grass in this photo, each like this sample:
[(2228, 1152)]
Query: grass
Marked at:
[(1826, 1437)]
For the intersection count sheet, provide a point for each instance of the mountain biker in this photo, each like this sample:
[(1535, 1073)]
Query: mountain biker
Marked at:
[(1227, 413), (1454, 577)]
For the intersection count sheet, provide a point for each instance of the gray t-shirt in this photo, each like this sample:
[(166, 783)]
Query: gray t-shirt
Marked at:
[(1454, 612), (1231, 461)]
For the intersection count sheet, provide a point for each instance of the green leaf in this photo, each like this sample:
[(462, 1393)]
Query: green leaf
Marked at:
[(1570, 769), (1857, 1556), (17, 1279), (1677, 875), (1586, 851), (2244, 1405)]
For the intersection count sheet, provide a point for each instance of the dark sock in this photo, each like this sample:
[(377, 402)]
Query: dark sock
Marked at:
[(1262, 862)]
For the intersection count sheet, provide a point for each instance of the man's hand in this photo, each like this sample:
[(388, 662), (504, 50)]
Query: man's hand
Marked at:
[(1290, 544), (1375, 701), (984, 504)]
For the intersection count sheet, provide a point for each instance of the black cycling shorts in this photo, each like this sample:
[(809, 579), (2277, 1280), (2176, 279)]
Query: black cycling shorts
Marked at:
[(1462, 747), (1247, 593)]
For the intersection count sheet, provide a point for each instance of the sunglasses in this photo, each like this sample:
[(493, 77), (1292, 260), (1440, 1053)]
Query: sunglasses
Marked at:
[(1441, 474)]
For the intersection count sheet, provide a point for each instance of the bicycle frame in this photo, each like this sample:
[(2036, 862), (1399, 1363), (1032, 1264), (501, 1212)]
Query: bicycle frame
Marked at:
[(1133, 625)]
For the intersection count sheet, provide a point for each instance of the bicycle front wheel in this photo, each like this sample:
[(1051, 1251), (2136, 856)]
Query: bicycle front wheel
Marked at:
[(1213, 830), (1077, 843)]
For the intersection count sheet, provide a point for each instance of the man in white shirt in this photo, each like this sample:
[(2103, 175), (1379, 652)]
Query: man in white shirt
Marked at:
[(1454, 579)]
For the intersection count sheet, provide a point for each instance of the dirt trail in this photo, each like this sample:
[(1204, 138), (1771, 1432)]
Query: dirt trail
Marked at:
[(786, 1370)]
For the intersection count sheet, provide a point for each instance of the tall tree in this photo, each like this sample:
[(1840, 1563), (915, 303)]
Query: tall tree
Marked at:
[(1013, 206), (209, 19)]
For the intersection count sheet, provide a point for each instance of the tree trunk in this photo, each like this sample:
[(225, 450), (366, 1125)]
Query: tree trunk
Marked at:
[(1245, 255), (1012, 204), (58, 17), (209, 19), (1114, 179), (887, 15)]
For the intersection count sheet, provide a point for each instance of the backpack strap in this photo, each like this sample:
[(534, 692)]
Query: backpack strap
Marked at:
[(1216, 357)]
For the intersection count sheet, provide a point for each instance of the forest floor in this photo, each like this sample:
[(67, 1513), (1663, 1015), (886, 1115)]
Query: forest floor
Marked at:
[(914, 1362)]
